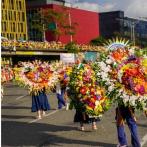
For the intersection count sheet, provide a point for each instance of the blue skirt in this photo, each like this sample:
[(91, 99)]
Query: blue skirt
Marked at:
[(40, 102)]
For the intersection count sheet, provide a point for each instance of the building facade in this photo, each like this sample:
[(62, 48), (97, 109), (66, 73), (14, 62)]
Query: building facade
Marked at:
[(110, 23), (136, 29), (87, 27), (14, 23), (116, 24)]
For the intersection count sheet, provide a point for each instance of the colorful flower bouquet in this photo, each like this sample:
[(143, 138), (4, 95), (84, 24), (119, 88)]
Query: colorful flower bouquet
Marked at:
[(6, 74), (37, 76), (85, 94), (124, 77)]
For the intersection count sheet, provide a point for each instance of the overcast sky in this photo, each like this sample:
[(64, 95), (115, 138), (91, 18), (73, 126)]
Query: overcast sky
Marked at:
[(132, 8)]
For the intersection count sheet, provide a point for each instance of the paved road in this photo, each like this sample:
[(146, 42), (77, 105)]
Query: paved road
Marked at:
[(20, 128)]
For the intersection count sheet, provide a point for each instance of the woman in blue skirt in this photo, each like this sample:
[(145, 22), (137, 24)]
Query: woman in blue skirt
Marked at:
[(40, 104)]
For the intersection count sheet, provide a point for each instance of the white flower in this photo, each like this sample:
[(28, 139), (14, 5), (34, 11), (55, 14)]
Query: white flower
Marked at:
[(97, 103), (131, 51), (120, 77), (132, 102), (109, 61), (110, 88), (107, 69)]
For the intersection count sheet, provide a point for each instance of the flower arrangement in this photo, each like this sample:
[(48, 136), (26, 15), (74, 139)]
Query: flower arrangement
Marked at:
[(50, 46), (85, 94), (37, 76), (6, 74), (124, 77)]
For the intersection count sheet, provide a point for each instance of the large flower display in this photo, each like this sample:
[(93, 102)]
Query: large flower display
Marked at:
[(124, 77), (37, 76), (50, 46), (85, 94), (6, 71)]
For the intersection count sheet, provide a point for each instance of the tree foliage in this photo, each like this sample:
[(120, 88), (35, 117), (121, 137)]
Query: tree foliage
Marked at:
[(99, 41), (71, 47), (54, 21)]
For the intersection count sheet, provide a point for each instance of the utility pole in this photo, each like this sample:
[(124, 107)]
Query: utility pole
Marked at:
[(69, 18), (132, 24), (44, 37)]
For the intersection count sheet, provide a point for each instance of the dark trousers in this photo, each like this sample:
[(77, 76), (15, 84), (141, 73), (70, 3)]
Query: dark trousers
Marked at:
[(122, 114), (60, 98)]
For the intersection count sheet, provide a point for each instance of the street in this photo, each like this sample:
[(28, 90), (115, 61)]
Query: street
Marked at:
[(21, 128)]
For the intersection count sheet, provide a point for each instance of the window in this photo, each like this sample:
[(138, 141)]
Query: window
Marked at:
[(17, 5), (12, 36), (21, 26), (9, 17), (3, 4), (24, 36), (4, 26), (11, 29), (18, 27), (8, 35), (18, 16), (3, 16), (23, 16), (14, 27), (12, 4), (14, 15), (20, 6), (6, 15)]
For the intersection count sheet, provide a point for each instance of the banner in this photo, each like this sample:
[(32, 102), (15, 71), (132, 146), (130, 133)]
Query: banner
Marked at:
[(28, 53), (90, 56), (67, 57)]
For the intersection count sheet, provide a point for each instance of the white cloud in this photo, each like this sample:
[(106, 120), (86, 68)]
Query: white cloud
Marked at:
[(132, 8), (106, 7), (87, 6), (138, 8)]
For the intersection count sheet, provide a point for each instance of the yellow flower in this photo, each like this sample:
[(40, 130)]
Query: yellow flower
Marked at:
[(98, 108), (88, 108), (144, 62)]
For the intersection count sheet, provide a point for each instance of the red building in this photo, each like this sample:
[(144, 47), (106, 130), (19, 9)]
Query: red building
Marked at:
[(87, 27)]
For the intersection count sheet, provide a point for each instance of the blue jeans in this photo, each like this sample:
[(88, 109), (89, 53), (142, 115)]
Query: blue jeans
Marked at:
[(124, 113), (60, 98)]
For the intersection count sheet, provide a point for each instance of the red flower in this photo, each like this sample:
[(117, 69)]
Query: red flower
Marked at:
[(83, 90), (92, 105)]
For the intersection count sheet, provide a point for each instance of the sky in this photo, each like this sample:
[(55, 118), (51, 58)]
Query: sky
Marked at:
[(132, 8)]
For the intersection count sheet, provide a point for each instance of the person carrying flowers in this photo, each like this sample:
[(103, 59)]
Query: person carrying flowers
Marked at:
[(126, 84), (40, 102), (38, 77), (60, 91), (133, 79), (86, 96)]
